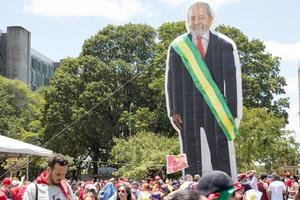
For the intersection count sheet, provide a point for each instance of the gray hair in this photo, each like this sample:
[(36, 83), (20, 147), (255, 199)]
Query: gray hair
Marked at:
[(197, 4), (275, 177)]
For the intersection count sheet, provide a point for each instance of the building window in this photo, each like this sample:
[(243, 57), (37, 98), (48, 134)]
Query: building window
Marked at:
[(42, 71), (33, 77)]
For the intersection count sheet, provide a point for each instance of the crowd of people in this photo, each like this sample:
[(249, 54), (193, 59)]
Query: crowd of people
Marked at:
[(51, 184)]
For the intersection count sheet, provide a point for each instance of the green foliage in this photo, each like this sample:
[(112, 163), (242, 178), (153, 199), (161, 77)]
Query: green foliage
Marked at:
[(20, 118), (131, 46), (142, 154), (260, 74), (86, 83), (78, 86), (263, 141), (167, 32), (20, 111), (119, 81), (131, 43), (141, 120), (14, 165)]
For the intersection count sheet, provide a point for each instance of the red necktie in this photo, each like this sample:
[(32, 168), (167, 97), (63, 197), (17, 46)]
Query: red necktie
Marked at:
[(200, 46)]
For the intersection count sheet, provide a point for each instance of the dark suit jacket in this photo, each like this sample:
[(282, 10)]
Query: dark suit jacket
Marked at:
[(220, 62), (184, 98)]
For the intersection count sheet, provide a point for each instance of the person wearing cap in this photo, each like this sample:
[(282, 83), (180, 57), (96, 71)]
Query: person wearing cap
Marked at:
[(239, 191), (5, 189), (252, 179), (287, 179), (14, 189), (216, 185), (252, 194), (245, 182), (243, 178), (90, 192)]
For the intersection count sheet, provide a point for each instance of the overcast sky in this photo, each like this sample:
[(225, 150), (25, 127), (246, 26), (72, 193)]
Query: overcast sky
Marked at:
[(59, 27)]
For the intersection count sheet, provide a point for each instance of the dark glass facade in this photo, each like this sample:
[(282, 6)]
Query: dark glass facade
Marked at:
[(41, 72)]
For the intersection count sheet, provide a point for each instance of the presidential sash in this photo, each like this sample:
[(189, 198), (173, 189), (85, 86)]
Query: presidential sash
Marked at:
[(204, 82)]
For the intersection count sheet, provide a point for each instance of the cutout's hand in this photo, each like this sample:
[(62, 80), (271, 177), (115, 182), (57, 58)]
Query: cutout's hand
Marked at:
[(176, 118)]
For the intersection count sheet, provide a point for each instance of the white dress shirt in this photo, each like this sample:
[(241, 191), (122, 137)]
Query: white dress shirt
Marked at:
[(204, 40)]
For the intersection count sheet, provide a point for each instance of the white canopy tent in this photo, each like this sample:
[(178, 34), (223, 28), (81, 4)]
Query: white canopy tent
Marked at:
[(14, 148), (11, 146)]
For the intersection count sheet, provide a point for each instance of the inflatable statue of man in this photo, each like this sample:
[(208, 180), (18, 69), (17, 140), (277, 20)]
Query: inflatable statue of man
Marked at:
[(203, 92)]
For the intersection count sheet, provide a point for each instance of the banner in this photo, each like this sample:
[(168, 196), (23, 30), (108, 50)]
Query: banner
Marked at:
[(176, 163)]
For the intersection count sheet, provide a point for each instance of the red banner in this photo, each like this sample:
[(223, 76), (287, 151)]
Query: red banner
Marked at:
[(176, 163)]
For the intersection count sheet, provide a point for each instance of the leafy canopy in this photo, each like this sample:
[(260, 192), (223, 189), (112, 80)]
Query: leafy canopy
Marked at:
[(142, 154)]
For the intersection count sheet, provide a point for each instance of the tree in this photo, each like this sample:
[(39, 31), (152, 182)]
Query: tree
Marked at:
[(260, 74), (142, 154), (167, 32), (263, 141), (20, 111), (20, 118), (116, 88), (79, 114), (109, 73), (153, 116), (131, 43), (125, 52), (14, 166), (133, 46)]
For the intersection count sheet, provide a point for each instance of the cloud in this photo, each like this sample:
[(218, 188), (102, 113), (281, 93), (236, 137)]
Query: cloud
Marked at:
[(287, 51), (219, 3), (292, 85), (293, 124), (293, 112), (213, 3), (173, 2), (116, 10)]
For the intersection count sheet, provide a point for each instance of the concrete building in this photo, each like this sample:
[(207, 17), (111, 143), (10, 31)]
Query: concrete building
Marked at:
[(19, 61)]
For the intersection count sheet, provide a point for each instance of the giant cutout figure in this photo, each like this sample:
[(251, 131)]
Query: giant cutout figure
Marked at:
[(203, 92)]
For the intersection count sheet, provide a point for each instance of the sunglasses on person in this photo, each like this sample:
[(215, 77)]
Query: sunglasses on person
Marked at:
[(122, 191)]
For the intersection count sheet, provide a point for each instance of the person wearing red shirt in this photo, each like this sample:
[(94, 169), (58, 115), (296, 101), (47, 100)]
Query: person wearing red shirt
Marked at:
[(262, 186), (5, 189)]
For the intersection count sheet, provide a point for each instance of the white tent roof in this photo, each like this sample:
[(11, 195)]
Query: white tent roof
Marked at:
[(11, 147)]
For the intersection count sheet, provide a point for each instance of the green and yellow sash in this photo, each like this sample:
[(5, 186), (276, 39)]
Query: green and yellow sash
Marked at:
[(205, 84)]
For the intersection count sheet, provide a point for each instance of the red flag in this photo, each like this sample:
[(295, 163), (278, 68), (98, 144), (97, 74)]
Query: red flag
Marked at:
[(176, 163)]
